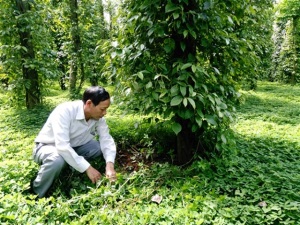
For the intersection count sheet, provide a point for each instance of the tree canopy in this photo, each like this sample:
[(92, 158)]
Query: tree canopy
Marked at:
[(185, 59)]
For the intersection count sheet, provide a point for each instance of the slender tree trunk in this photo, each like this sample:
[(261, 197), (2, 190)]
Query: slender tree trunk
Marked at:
[(73, 75), (62, 58), (76, 55), (30, 74), (293, 79)]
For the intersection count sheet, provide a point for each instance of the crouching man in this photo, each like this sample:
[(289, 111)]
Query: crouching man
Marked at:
[(68, 138)]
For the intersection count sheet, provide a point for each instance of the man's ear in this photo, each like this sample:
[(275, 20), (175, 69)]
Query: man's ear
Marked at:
[(89, 102)]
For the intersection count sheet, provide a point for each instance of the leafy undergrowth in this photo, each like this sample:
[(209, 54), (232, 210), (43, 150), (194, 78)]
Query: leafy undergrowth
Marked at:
[(257, 181)]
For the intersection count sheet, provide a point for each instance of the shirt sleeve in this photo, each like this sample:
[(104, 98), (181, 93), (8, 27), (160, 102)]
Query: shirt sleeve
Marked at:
[(107, 143), (61, 129)]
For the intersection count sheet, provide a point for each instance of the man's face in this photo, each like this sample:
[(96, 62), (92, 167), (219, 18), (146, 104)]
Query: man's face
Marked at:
[(98, 111)]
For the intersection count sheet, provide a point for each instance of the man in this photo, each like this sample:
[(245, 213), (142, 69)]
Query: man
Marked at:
[(68, 138)]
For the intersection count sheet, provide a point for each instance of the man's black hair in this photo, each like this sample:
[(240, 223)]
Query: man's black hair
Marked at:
[(96, 94)]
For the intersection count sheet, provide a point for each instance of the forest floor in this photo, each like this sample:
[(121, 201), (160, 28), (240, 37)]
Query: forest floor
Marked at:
[(255, 181)]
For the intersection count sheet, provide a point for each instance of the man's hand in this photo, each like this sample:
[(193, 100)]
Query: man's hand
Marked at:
[(110, 172), (93, 174)]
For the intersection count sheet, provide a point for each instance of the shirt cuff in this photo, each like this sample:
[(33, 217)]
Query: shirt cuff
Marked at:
[(110, 159), (83, 167)]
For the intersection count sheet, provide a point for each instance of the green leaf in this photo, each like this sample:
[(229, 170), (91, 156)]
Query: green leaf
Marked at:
[(199, 121), (167, 48), (160, 75), (155, 96), (176, 127), (216, 70), (175, 15), (162, 94), (183, 90), (182, 45), (212, 100), (140, 75), (193, 33), (230, 20), (149, 85), (150, 32), (176, 100), (205, 87), (220, 114), (222, 88), (223, 105), (223, 138), (218, 101), (211, 120), (170, 7), (185, 102), (185, 33), (194, 68), (136, 85), (163, 66), (185, 66), (174, 90), (200, 113), (192, 102)]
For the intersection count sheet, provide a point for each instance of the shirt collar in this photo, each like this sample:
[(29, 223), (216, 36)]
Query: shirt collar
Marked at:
[(80, 111)]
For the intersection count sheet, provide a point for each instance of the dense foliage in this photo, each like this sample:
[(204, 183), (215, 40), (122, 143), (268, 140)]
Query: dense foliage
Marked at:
[(286, 56), (25, 49), (256, 182), (183, 60), (46, 41)]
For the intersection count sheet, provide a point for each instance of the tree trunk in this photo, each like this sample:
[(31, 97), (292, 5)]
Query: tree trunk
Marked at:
[(185, 144), (186, 138), (73, 76), (293, 79), (76, 56), (30, 74)]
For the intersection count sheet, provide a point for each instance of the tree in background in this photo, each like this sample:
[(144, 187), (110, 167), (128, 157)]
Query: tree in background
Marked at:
[(25, 49), (59, 34), (30, 74), (95, 33), (83, 31), (52, 40), (287, 41), (182, 60), (76, 60)]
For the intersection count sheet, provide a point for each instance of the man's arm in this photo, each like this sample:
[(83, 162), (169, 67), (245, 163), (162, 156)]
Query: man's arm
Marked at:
[(108, 148), (110, 171), (107, 143)]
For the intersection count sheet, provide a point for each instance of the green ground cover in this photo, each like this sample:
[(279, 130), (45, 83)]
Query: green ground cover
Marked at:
[(256, 181)]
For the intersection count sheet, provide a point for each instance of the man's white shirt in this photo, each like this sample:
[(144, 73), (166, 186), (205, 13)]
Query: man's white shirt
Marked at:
[(66, 128)]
